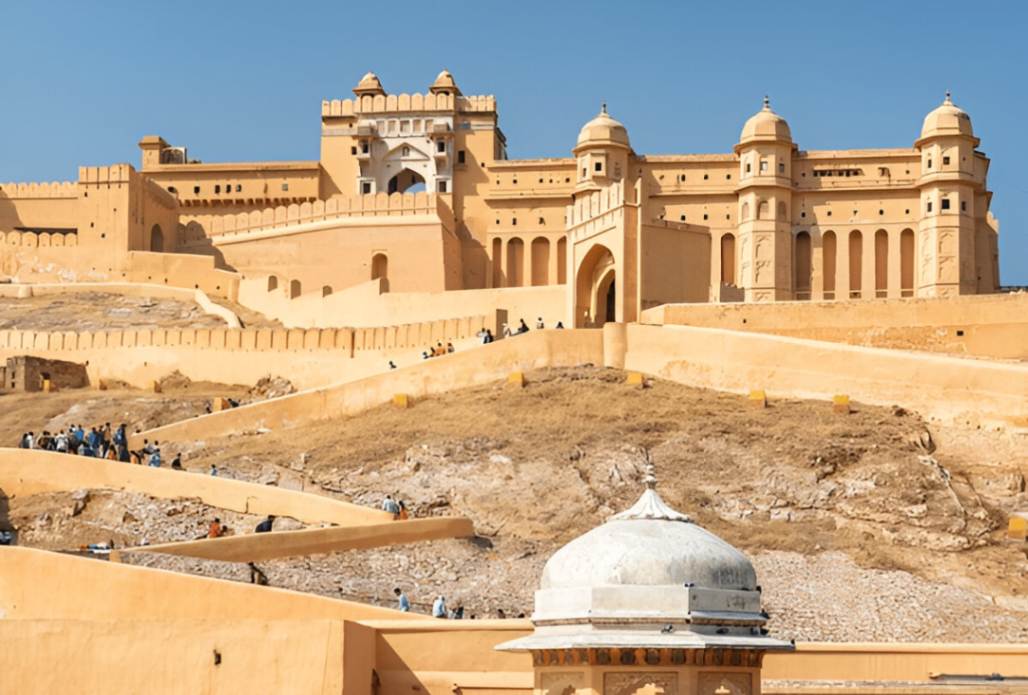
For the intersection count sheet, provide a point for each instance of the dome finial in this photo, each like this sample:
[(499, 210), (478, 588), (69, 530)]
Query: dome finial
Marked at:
[(650, 478), (767, 103), (949, 96), (650, 506), (603, 108)]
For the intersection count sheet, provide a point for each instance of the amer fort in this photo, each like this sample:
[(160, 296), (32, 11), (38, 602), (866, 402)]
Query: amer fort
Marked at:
[(416, 418)]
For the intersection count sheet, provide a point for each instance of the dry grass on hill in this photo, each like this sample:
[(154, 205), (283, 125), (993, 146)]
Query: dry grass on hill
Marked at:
[(838, 505), (101, 311)]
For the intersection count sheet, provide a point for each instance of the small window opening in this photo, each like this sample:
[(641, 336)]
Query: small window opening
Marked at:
[(945, 203), (460, 156), (598, 166), (365, 187), (196, 190), (945, 161)]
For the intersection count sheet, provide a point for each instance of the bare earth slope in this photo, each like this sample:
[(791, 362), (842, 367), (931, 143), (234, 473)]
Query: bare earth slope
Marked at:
[(855, 537), (101, 311)]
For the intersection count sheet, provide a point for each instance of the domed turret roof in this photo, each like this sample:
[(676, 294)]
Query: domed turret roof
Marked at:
[(649, 545), (444, 82), (369, 84), (648, 577), (765, 125), (603, 130), (946, 119)]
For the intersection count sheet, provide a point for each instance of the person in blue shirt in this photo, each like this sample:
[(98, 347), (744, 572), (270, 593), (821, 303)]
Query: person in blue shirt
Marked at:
[(402, 600), (155, 459), (439, 608)]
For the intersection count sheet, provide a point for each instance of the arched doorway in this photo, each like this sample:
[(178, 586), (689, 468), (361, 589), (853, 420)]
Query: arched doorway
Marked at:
[(881, 263), (540, 261), (515, 262), (828, 258), (728, 259), (406, 181), (596, 288), (907, 263), (156, 239)]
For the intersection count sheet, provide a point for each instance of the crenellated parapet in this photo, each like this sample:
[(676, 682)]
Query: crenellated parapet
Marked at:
[(406, 103), (595, 204), (113, 174), (37, 239), (33, 190), (376, 205)]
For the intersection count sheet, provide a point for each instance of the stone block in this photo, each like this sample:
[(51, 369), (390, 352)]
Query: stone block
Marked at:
[(1017, 527), (635, 379), (155, 386), (516, 379), (841, 404), (402, 400), (218, 404), (757, 398)]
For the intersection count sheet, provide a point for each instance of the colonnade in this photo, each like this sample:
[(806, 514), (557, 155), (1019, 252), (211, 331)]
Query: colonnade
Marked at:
[(540, 261)]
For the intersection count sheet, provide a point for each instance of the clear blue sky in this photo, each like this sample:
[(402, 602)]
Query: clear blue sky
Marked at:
[(82, 81)]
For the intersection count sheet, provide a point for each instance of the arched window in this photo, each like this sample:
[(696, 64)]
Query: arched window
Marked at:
[(782, 211), (802, 266), (326, 290), (294, 289), (515, 263), (272, 283), (562, 261), (745, 211), (728, 259), (829, 254), (881, 263), (762, 210), (497, 262), (540, 261), (907, 263), (856, 247)]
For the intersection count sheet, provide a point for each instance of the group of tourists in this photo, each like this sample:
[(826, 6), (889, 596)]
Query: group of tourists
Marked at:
[(522, 327), (102, 442), (439, 609), (438, 351), (98, 442)]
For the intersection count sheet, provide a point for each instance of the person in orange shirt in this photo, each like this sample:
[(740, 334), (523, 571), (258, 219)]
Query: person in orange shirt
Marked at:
[(216, 530), (403, 515)]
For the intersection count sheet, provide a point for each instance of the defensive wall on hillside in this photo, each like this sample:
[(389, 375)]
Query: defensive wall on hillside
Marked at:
[(953, 388), (31, 472), (215, 634), (985, 325), (307, 357)]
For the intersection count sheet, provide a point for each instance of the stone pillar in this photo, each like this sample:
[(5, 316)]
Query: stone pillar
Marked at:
[(895, 270), (615, 344)]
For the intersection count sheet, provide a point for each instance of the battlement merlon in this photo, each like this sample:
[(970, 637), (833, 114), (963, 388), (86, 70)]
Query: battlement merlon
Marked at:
[(381, 104)]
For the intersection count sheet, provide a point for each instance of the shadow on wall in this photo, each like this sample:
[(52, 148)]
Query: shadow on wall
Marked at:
[(192, 239), (9, 220)]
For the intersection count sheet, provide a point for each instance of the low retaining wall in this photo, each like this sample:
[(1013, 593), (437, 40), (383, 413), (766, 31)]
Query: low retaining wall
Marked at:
[(986, 325), (32, 472), (953, 388), (258, 547)]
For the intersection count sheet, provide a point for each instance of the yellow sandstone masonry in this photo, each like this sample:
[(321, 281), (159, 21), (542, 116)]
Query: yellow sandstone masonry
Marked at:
[(758, 399), (841, 403), (402, 400), (516, 379)]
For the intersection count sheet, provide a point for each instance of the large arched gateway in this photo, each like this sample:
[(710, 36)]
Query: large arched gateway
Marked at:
[(596, 288)]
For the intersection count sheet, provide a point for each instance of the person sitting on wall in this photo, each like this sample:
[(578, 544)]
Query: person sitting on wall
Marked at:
[(214, 471), (522, 327), (487, 337), (392, 365), (439, 349), (403, 603), (560, 324), (155, 459), (266, 525), (402, 515), (507, 332), (450, 348), (390, 505), (539, 323), (176, 463), (439, 607), (424, 355)]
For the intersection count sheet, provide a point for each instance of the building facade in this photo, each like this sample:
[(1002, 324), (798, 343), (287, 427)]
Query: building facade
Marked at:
[(415, 192)]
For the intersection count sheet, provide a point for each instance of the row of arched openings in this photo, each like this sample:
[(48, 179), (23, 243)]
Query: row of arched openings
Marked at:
[(832, 255), (512, 271), (379, 269)]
